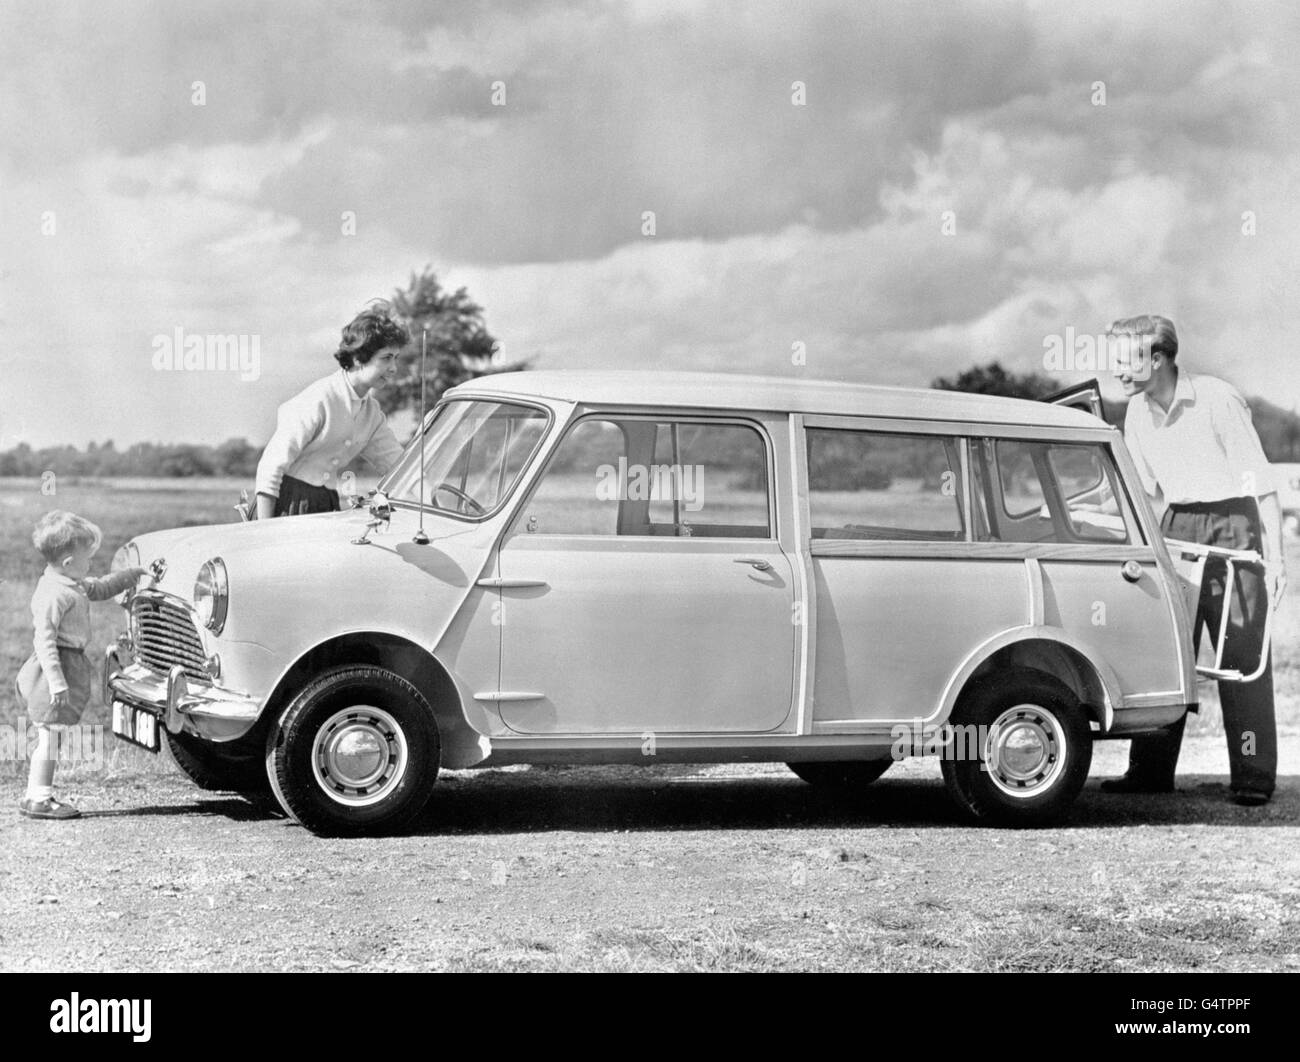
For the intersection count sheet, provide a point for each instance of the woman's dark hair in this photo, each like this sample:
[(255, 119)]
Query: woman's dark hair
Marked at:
[(369, 332)]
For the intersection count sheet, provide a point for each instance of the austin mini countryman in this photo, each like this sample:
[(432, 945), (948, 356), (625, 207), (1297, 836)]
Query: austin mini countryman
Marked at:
[(645, 568)]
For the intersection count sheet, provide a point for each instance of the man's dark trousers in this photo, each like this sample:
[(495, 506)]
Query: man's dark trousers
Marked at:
[(1248, 720)]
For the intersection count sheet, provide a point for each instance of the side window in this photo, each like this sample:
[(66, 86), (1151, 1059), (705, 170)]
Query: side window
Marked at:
[(1022, 492), (716, 481), (640, 476), (1028, 491), (567, 501), (891, 487)]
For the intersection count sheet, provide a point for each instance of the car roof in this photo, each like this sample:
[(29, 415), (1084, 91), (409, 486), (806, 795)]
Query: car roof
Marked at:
[(735, 391)]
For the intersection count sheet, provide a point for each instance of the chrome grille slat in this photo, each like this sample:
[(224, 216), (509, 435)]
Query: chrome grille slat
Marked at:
[(166, 636)]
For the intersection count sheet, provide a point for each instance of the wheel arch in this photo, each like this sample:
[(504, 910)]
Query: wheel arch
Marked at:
[(401, 656), (1046, 649)]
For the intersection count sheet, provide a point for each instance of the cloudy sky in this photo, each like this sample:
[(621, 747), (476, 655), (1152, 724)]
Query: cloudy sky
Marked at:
[(951, 190)]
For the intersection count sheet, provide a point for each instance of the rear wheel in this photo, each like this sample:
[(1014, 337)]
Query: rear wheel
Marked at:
[(841, 774), (1033, 749), (356, 752)]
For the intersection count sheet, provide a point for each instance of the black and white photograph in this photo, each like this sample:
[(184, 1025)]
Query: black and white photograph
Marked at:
[(651, 486)]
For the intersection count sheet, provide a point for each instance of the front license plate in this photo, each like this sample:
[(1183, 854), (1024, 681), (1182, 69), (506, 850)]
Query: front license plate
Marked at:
[(135, 725)]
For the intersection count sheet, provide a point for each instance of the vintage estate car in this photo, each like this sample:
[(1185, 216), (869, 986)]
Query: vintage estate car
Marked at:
[(635, 567)]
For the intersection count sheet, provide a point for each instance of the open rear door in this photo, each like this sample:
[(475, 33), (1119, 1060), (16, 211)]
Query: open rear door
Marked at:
[(1189, 560), (1085, 396)]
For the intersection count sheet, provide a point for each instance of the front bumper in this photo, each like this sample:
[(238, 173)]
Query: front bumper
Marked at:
[(213, 712)]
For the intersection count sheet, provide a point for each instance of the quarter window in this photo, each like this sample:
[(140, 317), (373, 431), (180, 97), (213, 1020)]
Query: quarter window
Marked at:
[(1027, 491)]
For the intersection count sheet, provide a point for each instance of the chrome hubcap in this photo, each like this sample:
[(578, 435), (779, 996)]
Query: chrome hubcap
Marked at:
[(1025, 751), (359, 756)]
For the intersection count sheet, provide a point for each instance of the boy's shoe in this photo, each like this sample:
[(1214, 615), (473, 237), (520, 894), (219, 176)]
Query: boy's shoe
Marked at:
[(47, 809), (1250, 798)]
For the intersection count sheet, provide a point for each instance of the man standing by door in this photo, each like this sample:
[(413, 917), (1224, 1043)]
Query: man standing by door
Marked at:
[(1195, 447)]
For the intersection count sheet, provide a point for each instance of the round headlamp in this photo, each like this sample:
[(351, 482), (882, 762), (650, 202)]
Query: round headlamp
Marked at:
[(212, 595)]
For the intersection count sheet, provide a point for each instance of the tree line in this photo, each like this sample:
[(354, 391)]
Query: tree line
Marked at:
[(234, 457)]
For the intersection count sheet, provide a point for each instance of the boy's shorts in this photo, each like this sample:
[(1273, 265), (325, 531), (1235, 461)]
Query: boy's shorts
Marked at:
[(34, 690)]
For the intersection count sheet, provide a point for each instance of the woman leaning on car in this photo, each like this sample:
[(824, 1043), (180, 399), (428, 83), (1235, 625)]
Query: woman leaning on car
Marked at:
[(332, 421)]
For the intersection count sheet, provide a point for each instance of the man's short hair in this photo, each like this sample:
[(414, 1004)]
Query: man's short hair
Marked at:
[(59, 532), (1164, 340)]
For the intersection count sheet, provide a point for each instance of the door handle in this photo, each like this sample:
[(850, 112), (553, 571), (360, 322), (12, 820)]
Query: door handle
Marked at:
[(757, 563), (1131, 570)]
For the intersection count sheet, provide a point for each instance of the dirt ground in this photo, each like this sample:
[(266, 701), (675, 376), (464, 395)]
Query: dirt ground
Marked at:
[(665, 868)]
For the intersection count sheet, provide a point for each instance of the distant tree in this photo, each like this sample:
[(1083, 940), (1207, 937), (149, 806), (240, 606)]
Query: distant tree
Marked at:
[(235, 457), (460, 346), (993, 379), (16, 462), (1278, 428), (186, 461)]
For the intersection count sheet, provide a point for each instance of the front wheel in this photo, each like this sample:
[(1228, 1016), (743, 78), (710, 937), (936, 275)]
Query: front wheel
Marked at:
[(355, 753), (1020, 749)]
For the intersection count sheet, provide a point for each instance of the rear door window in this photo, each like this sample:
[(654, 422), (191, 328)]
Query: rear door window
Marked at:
[(884, 486)]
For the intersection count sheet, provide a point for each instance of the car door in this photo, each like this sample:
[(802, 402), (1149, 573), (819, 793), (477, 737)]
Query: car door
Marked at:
[(1189, 568), (1084, 396), (643, 586)]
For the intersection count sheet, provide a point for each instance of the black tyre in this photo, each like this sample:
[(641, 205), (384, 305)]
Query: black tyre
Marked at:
[(355, 753), (234, 766), (841, 774), (1033, 749)]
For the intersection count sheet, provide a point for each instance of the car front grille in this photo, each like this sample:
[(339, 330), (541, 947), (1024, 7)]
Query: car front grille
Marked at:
[(165, 635)]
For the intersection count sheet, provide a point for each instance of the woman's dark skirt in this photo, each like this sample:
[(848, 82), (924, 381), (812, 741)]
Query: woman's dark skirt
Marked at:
[(298, 498)]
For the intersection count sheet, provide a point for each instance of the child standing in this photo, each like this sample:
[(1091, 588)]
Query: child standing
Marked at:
[(56, 680)]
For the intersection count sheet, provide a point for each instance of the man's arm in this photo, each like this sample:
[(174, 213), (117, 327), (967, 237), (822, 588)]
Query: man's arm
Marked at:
[(1243, 449), (1270, 517)]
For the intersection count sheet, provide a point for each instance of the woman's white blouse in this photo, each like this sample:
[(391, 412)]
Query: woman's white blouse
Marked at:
[(320, 430)]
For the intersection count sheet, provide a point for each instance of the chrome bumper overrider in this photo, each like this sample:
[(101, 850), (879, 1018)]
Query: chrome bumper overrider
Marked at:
[(172, 696)]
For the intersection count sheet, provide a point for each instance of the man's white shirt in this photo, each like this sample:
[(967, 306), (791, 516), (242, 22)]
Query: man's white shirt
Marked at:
[(1204, 449)]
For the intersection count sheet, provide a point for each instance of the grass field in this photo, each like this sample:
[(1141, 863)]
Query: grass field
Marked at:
[(124, 508)]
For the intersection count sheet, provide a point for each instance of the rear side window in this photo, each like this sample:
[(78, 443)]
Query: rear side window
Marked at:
[(1029, 491), (878, 485), (654, 477)]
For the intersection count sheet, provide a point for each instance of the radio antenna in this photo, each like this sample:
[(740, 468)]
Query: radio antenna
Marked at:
[(420, 538)]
